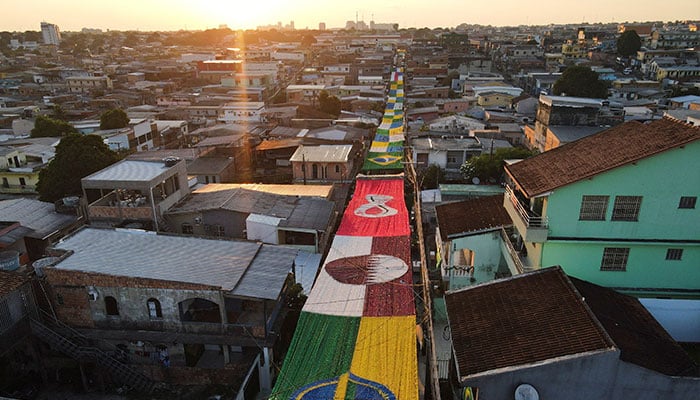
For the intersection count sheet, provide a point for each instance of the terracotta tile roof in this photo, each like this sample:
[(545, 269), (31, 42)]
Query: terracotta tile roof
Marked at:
[(472, 215), (641, 339), (520, 320), (10, 281), (592, 155)]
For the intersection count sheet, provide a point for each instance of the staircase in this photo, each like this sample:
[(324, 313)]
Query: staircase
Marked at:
[(78, 348)]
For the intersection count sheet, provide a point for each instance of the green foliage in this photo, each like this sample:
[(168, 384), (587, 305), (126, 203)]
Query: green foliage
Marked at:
[(49, 127), (628, 43), (430, 177), (488, 167), (307, 41), (329, 104), (580, 81), (77, 156), (114, 119)]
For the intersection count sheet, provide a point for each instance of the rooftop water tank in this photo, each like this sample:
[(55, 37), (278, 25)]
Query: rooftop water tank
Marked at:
[(9, 260)]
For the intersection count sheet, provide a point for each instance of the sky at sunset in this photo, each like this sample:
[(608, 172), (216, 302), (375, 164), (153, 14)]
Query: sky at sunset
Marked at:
[(150, 15)]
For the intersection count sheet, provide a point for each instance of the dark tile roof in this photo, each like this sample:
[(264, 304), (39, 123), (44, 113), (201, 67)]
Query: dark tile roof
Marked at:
[(641, 339), (592, 155), (472, 215), (520, 320), (10, 281)]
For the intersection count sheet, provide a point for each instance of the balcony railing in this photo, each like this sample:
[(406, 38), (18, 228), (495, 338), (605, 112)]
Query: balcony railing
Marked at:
[(530, 218), (512, 252)]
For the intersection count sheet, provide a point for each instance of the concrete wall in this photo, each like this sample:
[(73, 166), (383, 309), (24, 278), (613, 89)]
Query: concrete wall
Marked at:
[(661, 180)]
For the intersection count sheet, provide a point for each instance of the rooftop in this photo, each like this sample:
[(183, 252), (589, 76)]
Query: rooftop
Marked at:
[(471, 216), (10, 281), (520, 321), (620, 145), (140, 254), (322, 153), (129, 170), (38, 216)]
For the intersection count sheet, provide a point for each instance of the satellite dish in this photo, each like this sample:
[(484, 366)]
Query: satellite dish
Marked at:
[(475, 180), (526, 392)]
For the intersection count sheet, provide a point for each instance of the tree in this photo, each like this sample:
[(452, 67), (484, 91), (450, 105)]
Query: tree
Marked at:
[(49, 127), (307, 41), (580, 81), (489, 167), (114, 119), (329, 104), (628, 43), (77, 156), (430, 177)]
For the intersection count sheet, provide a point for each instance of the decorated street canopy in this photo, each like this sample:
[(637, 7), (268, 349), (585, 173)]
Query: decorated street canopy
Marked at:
[(356, 336), (386, 151)]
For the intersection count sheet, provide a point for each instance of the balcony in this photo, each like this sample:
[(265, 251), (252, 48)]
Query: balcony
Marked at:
[(517, 262), (111, 207), (532, 227)]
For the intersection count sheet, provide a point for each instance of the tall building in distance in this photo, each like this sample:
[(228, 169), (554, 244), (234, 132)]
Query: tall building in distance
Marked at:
[(50, 33), (321, 26)]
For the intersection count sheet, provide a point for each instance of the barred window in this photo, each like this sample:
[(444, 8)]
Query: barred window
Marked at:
[(687, 202), (626, 208), (674, 254), (218, 230), (593, 208), (615, 259), (187, 229)]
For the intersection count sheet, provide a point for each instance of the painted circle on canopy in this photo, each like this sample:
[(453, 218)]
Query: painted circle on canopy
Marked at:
[(366, 270)]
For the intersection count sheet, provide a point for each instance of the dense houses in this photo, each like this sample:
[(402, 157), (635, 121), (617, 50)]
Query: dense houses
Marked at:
[(185, 263)]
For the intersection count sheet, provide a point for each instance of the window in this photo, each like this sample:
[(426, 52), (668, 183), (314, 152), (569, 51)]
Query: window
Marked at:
[(615, 259), (22, 181), (687, 202), (337, 169), (593, 208), (154, 310), (111, 306), (187, 229), (626, 208), (219, 230), (674, 254)]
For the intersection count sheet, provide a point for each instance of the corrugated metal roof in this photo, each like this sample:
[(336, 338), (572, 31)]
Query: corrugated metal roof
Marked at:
[(141, 254), (38, 216), (310, 213), (129, 170), (267, 274), (323, 153)]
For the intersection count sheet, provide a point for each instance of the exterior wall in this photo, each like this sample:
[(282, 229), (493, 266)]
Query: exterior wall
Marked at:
[(494, 100), (487, 257), (661, 180), (596, 376), (326, 171), (232, 222), (73, 306)]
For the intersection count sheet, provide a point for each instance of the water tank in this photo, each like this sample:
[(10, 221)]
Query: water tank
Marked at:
[(39, 264), (170, 161), (9, 260)]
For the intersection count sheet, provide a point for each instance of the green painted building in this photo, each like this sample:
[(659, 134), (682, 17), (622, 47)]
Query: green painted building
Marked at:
[(618, 208)]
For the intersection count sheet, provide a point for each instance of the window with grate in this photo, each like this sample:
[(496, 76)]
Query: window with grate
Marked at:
[(187, 229), (626, 208), (687, 202), (218, 230), (593, 208), (674, 254), (615, 259)]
